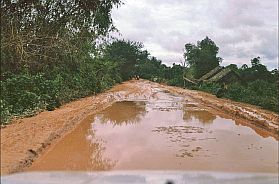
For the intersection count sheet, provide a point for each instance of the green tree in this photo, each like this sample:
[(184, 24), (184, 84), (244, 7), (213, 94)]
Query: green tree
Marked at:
[(202, 57), (255, 61), (150, 69), (233, 67), (40, 34), (127, 54), (257, 71), (175, 74), (49, 54)]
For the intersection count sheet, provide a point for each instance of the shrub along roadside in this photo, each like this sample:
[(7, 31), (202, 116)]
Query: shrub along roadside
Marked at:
[(260, 93), (26, 94)]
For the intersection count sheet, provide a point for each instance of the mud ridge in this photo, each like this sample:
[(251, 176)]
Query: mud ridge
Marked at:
[(254, 115)]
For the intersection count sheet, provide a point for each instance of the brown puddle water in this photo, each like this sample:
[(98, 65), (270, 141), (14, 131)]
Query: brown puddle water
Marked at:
[(166, 133)]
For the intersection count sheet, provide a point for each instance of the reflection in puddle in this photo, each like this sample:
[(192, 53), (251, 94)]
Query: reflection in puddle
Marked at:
[(201, 115), (76, 152), (126, 112), (162, 133)]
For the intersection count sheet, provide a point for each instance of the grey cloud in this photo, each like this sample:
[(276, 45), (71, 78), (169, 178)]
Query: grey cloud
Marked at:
[(237, 13), (268, 43), (235, 37), (262, 42)]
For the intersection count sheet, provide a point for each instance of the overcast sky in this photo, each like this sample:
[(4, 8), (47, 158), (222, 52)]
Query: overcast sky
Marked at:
[(242, 29)]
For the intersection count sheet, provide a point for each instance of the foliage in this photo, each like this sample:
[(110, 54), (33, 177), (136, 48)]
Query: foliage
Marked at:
[(127, 55), (25, 94), (37, 35), (258, 87), (133, 60), (202, 57), (259, 92), (49, 53), (174, 75), (151, 69), (257, 71), (209, 87), (265, 96)]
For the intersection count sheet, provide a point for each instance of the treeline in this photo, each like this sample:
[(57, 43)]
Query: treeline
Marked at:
[(53, 52), (133, 60)]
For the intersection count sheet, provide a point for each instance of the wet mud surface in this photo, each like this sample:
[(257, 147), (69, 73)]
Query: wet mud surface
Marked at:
[(144, 125), (157, 130)]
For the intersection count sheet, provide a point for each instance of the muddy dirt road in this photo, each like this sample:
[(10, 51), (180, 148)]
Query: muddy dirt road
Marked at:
[(144, 125)]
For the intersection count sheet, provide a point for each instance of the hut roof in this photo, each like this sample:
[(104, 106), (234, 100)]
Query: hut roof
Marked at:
[(224, 72), (215, 75), (211, 73)]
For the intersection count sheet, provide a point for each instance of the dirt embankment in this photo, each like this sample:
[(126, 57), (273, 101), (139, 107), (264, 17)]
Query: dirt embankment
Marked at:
[(25, 139)]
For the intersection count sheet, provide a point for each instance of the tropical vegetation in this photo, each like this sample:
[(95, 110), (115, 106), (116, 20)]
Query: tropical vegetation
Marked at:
[(53, 52)]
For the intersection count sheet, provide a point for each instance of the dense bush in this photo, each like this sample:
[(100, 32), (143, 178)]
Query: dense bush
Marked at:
[(260, 93), (50, 55), (25, 94), (208, 87)]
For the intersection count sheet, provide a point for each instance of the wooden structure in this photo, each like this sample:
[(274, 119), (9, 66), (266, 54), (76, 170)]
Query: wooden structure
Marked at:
[(211, 73), (226, 75), (217, 75)]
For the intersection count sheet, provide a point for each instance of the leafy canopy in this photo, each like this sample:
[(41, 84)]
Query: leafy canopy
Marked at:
[(202, 57), (40, 34), (257, 71), (127, 54)]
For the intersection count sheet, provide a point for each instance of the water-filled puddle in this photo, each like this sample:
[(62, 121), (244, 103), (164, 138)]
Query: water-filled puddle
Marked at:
[(168, 133)]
